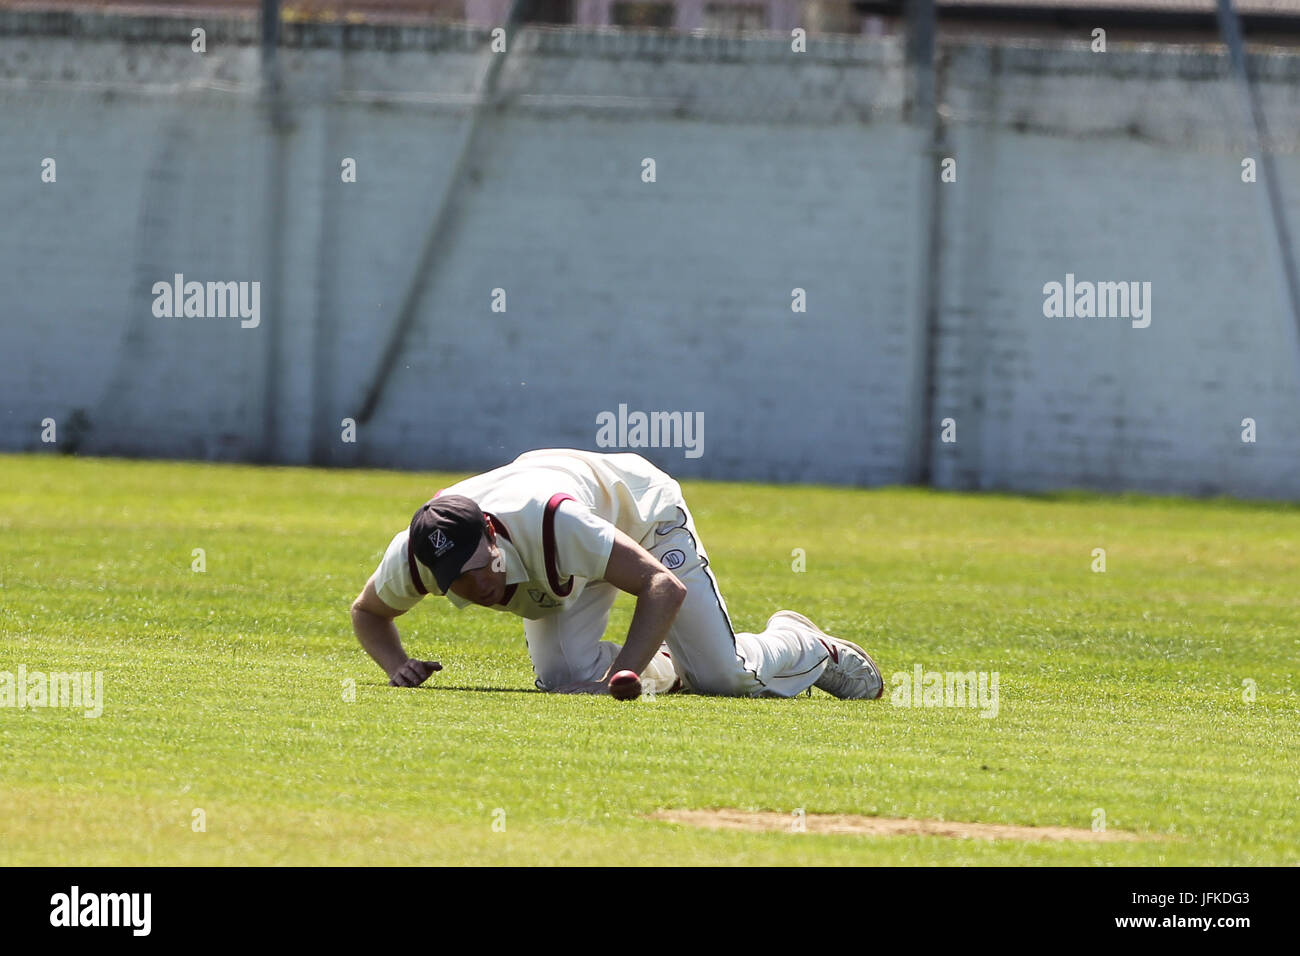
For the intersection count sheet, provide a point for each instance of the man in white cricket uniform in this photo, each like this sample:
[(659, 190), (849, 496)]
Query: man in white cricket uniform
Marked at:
[(553, 537)]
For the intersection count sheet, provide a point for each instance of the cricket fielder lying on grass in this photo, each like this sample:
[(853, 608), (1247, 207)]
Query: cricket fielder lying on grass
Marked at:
[(553, 537)]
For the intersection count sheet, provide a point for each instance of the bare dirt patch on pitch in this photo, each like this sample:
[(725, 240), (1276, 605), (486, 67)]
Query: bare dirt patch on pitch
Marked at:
[(771, 821)]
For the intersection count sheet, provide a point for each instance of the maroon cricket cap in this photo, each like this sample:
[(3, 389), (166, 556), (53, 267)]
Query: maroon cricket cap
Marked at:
[(448, 536)]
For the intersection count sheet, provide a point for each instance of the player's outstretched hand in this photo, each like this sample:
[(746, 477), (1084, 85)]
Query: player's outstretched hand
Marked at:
[(413, 673), (584, 687)]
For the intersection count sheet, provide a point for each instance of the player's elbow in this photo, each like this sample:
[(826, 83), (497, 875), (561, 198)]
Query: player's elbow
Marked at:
[(673, 591), (360, 613), (369, 608)]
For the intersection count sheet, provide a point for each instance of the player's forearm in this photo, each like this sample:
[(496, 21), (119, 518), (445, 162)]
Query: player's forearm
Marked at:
[(380, 639), (656, 608)]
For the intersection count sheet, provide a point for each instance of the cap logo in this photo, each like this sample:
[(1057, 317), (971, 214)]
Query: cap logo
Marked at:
[(441, 543)]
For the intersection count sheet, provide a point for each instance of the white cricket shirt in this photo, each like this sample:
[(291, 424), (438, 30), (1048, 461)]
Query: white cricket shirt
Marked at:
[(555, 511)]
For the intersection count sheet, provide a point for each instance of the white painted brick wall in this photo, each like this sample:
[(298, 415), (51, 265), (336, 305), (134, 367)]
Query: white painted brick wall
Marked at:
[(1048, 403), (774, 171)]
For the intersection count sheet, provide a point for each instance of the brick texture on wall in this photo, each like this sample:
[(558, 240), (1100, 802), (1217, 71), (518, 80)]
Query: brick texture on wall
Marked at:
[(775, 171)]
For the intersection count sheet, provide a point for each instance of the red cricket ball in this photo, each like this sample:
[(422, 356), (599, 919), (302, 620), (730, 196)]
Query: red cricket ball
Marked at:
[(625, 685)]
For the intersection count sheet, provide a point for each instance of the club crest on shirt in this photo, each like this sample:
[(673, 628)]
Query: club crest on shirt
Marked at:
[(541, 598), (674, 559)]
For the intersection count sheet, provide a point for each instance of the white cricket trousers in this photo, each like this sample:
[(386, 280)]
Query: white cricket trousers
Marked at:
[(704, 650)]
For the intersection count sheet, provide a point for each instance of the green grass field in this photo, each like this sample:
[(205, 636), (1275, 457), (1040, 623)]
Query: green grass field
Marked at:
[(1122, 691)]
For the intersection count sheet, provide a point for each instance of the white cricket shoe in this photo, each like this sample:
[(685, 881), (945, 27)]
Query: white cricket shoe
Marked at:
[(850, 673)]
